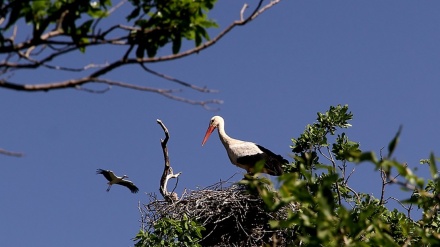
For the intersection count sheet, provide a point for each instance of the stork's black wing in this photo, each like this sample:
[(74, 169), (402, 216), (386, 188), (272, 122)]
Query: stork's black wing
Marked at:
[(130, 185), (107, 174), (274, 161)]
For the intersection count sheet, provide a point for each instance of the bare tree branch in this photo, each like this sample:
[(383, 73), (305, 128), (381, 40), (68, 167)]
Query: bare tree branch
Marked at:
[(386, 179), (204, 89), (330, 158), (408, 209), (105, 90), (167, 171), (245, 6), (349, 175), (205, 104), (10, 153), (355, 193)]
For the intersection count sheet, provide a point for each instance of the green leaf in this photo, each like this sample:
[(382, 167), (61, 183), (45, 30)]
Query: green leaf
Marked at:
[(97, 13), (433, 166), (394, 142), (151, 50), (134, 14), (140, 51), (177, 43), (85, 27), (259, 166), (198, 38)]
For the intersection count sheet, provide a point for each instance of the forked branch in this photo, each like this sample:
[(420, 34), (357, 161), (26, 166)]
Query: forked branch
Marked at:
[(168, 170)]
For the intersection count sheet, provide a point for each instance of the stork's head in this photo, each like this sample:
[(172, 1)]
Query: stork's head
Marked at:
[(215, 122)]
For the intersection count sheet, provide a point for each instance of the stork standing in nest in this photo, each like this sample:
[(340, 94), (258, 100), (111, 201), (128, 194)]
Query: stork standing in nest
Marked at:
[(113, 179), (246, 154)]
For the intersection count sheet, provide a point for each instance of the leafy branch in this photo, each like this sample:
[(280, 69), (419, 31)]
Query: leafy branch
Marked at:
[(61, 28)]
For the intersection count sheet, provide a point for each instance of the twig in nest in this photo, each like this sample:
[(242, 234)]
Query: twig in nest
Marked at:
[(167, 171)]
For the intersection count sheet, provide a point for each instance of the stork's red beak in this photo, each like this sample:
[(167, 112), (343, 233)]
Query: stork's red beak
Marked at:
[(208, 133)]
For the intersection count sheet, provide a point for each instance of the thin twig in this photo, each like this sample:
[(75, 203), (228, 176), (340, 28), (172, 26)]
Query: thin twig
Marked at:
[(141, 212), (205, 104), (109, 12), (409, 209), (105, 90), (245, 6), (398, 201), (332, 160), (383, 176), (349, 175), (355, 193), (386, 179), (10, 153), (384, 183), (186, 84)]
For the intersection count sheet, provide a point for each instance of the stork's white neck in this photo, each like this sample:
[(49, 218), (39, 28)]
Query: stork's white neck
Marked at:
[(225, 139)]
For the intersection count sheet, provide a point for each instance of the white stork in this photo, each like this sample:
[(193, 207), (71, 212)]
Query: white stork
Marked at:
[(245, 154), (113, 179)]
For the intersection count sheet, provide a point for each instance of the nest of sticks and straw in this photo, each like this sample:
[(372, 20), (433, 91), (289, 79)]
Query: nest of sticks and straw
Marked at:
[(230, 214)]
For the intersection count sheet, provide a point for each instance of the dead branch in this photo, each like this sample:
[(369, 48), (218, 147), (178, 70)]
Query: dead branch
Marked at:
[(387, 179), (168, 170)]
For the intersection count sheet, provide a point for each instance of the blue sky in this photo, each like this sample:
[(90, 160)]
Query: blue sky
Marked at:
[(298, 58)]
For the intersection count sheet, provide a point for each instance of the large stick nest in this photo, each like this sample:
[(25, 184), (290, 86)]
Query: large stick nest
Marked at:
[(231, 215)]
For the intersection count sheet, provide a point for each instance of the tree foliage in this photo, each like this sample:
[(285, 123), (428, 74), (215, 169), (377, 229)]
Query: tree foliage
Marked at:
[(328, 212), (334, 214), (171, 233)]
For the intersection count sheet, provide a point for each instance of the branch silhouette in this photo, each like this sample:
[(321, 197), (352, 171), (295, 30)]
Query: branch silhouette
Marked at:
[(10, 153), (40, 51)]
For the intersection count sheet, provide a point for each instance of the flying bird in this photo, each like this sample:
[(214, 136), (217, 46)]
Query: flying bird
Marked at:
[(245, 154), (113, 179)]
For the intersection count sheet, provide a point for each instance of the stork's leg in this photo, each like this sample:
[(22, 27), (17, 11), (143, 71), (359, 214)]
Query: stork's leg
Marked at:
[(109, 186)]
